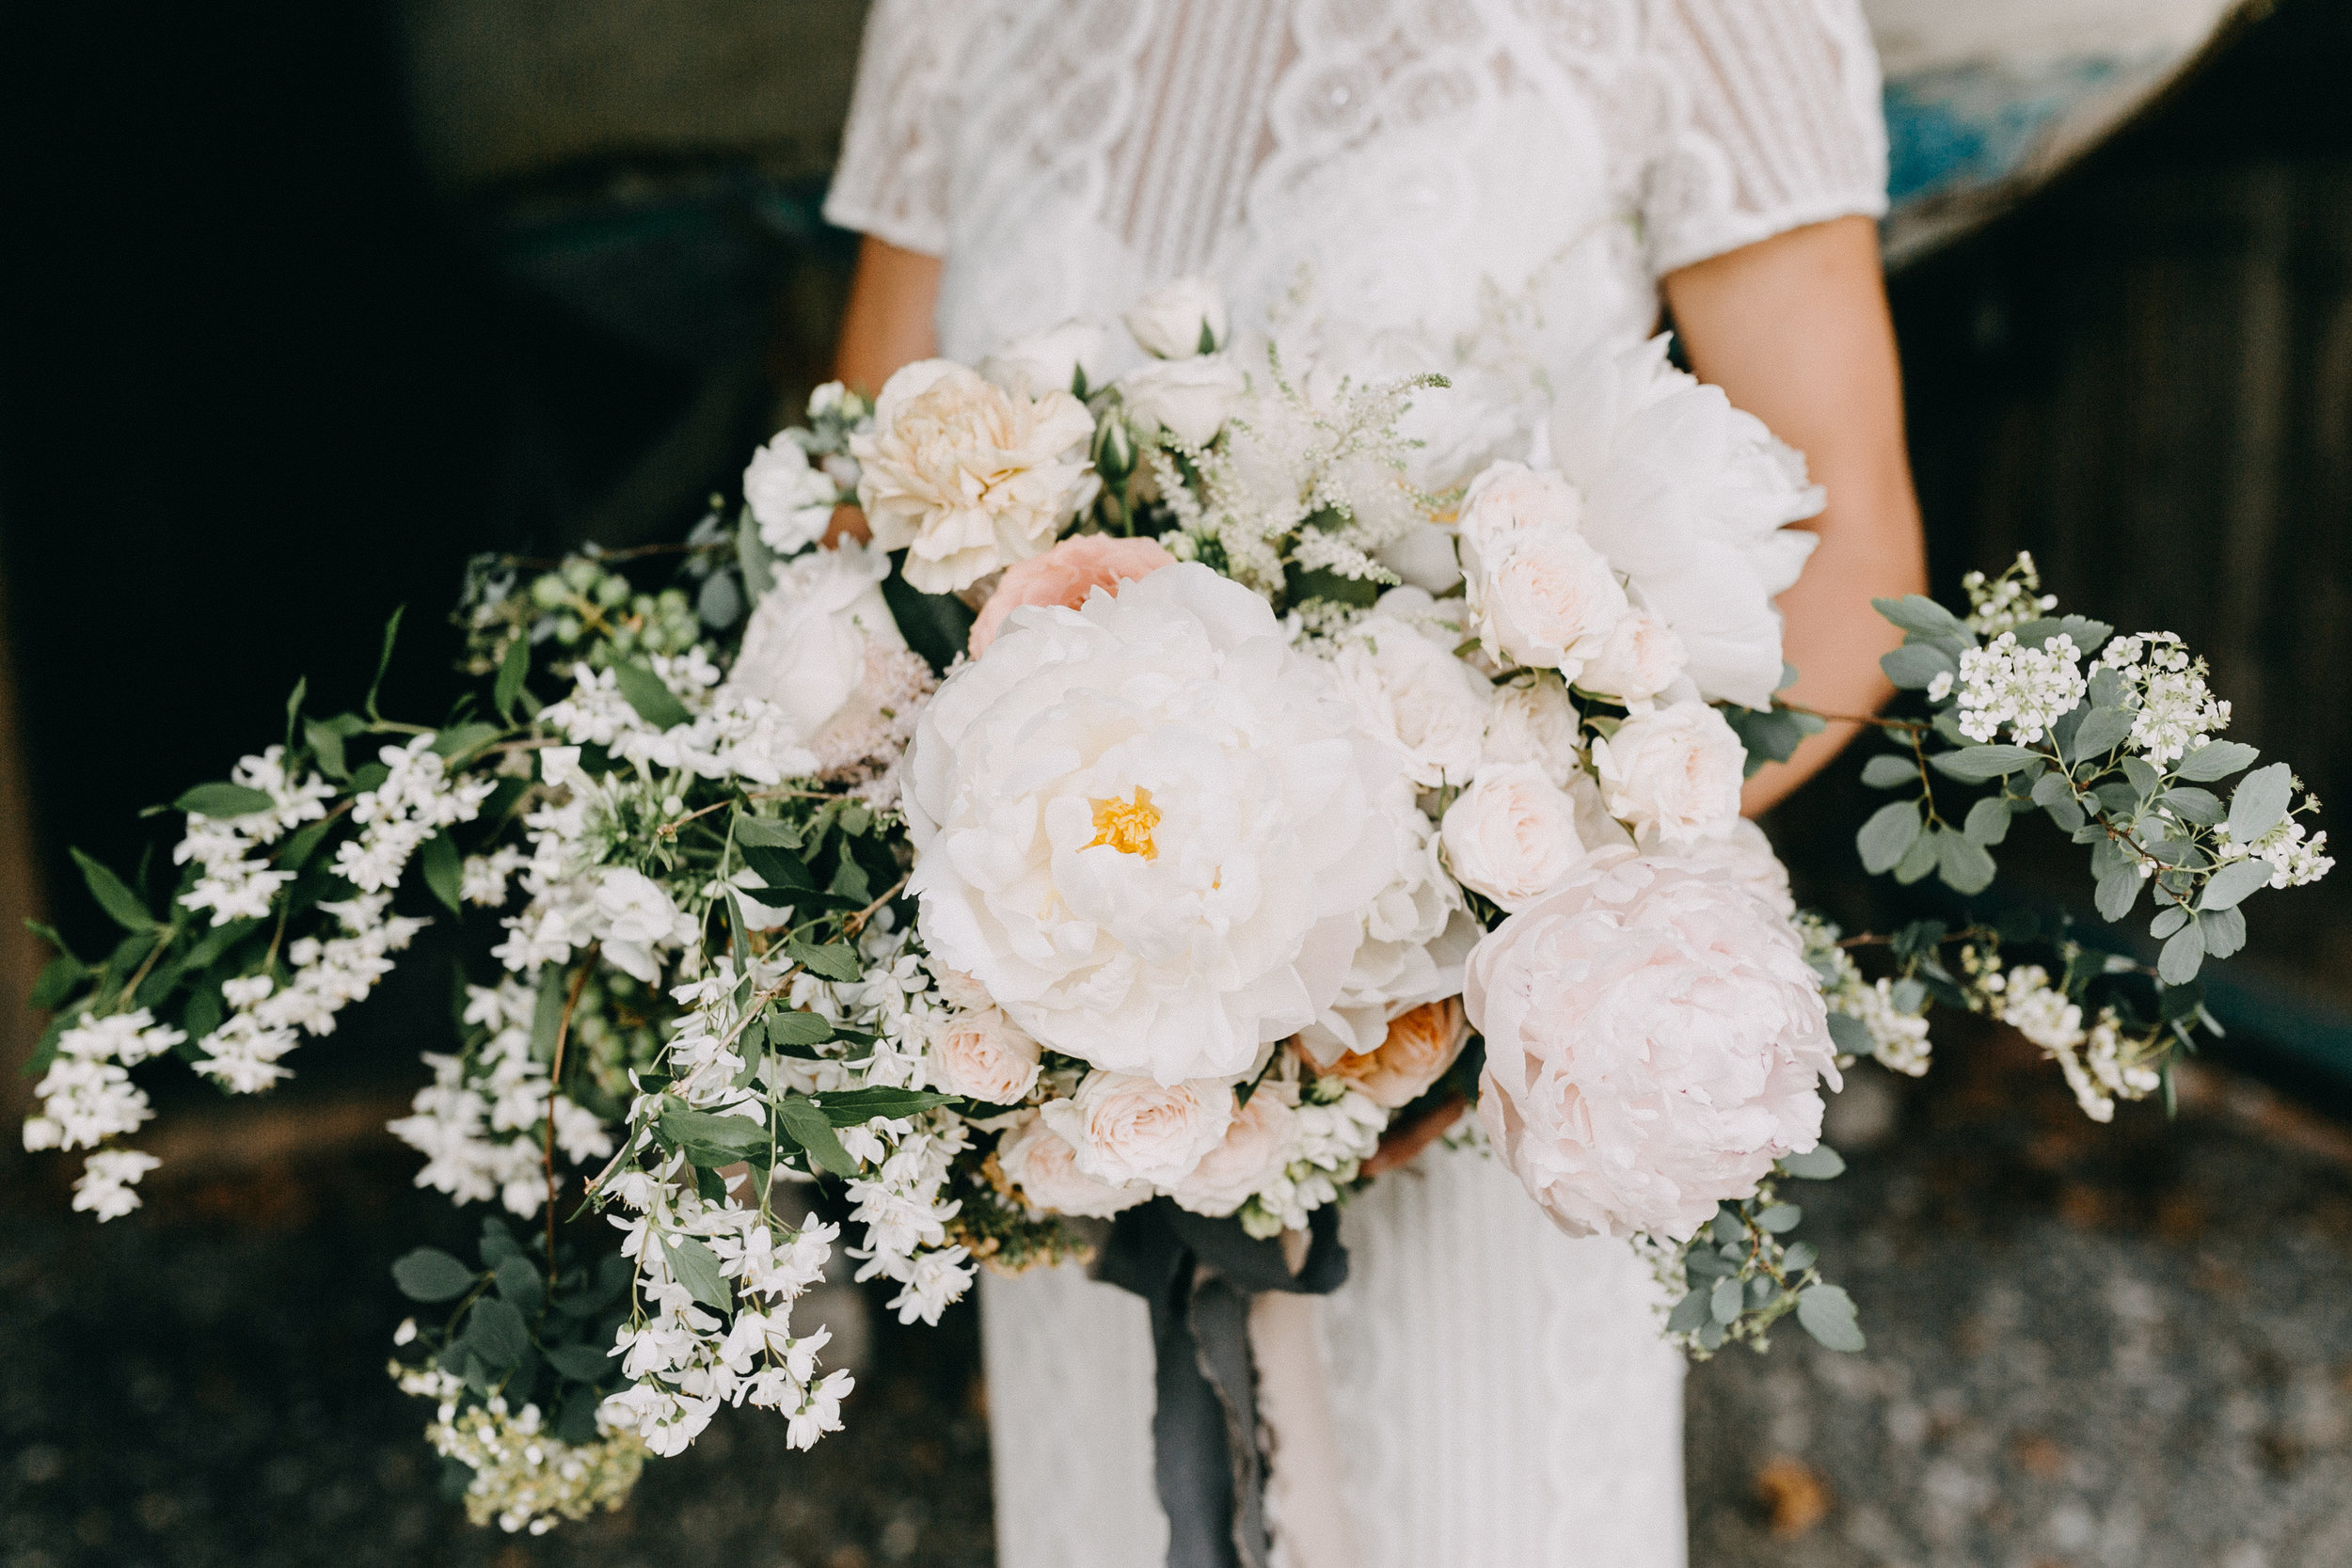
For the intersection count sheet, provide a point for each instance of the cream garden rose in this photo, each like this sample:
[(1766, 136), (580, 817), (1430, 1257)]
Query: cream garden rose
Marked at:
[(1408, 686), (1673, 775), (1041, 1164), (1048, 361), (1420, 1044), (1540, 594), (1151, 827), (1512, 834), (968, 477), (1530, 719), (807, 646), (1190, 399), (1655, 1041), (1179, 320), (1126, 1128), (982, 1055), (791, 499), (1640, 658), (1262, 1139)]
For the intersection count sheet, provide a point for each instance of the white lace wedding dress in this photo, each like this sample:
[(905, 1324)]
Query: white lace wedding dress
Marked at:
[(1483, 187)]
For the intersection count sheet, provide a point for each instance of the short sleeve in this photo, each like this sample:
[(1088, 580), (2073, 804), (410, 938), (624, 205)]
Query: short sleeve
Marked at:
[(892, 181), (1775, 121)]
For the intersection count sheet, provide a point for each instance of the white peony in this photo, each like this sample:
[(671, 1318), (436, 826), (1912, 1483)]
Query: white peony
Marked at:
[(1041, 1164), (1179, 320), (1150, 827), (1673, 775), (982, 1055), (1124, 1128), (1512, 834), (1654, 1042), (1531, 720), (1689, 498), (968, 477), (1745, 856), (806, 648), (1048, 361), (791, 499), (1540, 594), (1190, 399), (1410, 689), (1262, 1141)]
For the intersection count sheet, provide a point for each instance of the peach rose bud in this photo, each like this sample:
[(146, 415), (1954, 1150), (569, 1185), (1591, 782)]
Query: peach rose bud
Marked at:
[(1422, 1043), (1064, 576)]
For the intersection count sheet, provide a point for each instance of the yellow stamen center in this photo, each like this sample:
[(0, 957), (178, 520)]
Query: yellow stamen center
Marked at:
[(1126, 825)]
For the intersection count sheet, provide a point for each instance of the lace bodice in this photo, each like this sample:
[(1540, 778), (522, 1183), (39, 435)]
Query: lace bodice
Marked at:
[(1464, 173)]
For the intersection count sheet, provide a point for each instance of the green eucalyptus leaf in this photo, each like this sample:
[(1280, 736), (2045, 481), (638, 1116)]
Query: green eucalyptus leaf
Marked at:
[(1980, 764), (1799, 1257), (1919, 613), (2192, 804), (2101, 731), (2259, 802), (1827, 1313), (1850, 1035), (2235, 883), (2168, 920), (1780, 1218), (1688, 1313), (2118, 891), (1887, 835), (2215, 759), (1922, 857), (1962, 864), (1916, 665), (1890, 772), (1988, 821), (428, 1274), (1818, 1164), (2143, 776), (2182, 956), (1725, 1300), (2224, 930)]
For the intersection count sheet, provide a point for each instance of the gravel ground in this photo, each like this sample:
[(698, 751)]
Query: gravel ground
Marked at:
[(2089, 1347)]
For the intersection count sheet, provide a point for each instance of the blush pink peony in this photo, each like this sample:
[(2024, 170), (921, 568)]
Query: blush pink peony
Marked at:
[(1064, 576), (1654, 1042)]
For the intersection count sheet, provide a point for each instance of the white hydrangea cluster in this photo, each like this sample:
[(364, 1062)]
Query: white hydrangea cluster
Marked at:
[(266, 1019), (1338, 1128), (2176, 711), (683, 1362), (2007, 684), (2103, 1063), (1898, 1034), (2009, 601), (2295, 858), (416, 799), (481, 1123), (523, 1479), (729, 733), (235, 884), (87, 1097)]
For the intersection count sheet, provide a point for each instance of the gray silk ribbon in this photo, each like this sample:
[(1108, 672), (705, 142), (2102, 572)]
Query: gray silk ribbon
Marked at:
[(1197, 1274)]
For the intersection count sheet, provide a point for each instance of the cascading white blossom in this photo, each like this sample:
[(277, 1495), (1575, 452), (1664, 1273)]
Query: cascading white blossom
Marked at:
[(1150, 827)]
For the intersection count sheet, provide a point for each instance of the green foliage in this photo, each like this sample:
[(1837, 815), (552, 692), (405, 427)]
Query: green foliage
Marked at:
[(1738, 1276)]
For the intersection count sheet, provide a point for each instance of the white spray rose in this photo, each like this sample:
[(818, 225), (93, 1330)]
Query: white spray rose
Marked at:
[(1041, 1164), (1689, 498), (805, 648), (1639, 660), (982, 1055), (1126, 1128), (1151, 827), (1424, 557), (791, 499), (1190, 399), (968, 477), (1531, 720), (1263, 1140), (1048, 361), (1541, 596), (1654, 1039), (1512, 834), (1180, 319), (1410, 689), (1673, 774)]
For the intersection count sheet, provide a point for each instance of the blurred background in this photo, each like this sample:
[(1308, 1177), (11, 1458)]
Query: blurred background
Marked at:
[(302, 305)]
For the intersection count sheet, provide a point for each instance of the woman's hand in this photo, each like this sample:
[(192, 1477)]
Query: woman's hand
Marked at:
[(1795, 330), (886, 324), (1404, 1139)]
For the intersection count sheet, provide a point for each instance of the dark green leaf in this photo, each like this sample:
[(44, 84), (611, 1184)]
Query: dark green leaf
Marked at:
[(1688, 1313), (383, 659), (118, 901), (495, 1332), (513, 671), (1827, 1313), (2215, 759), (223, 800), (652, 700), (1916, 665), (834, 960), (547, 1017), (326, 736), (1769, 736), (1888, 834), (763, 830), (699, 1272), (428, 1274), (780, 868), (443, 871), (2259, 802), (937, 626), (2235, 883), (1978, 764), (1889, 771), (521, 1285), (758, 562), (1988, 820), (583, 1363), (498, 1242), (715, 1140), (293, 707), (809, 1128), (856, 1107), (799, 1028), (59, 979), (459, 740)]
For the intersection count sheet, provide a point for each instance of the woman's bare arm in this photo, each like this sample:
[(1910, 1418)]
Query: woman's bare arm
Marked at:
[(886, 324), (1795, 330)]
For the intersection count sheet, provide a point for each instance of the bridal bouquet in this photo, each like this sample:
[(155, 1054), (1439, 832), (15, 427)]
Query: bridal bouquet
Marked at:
[(1172, 794)]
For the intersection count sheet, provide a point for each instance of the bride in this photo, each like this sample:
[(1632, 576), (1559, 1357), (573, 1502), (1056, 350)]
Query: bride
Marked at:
[(1484, 188)]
